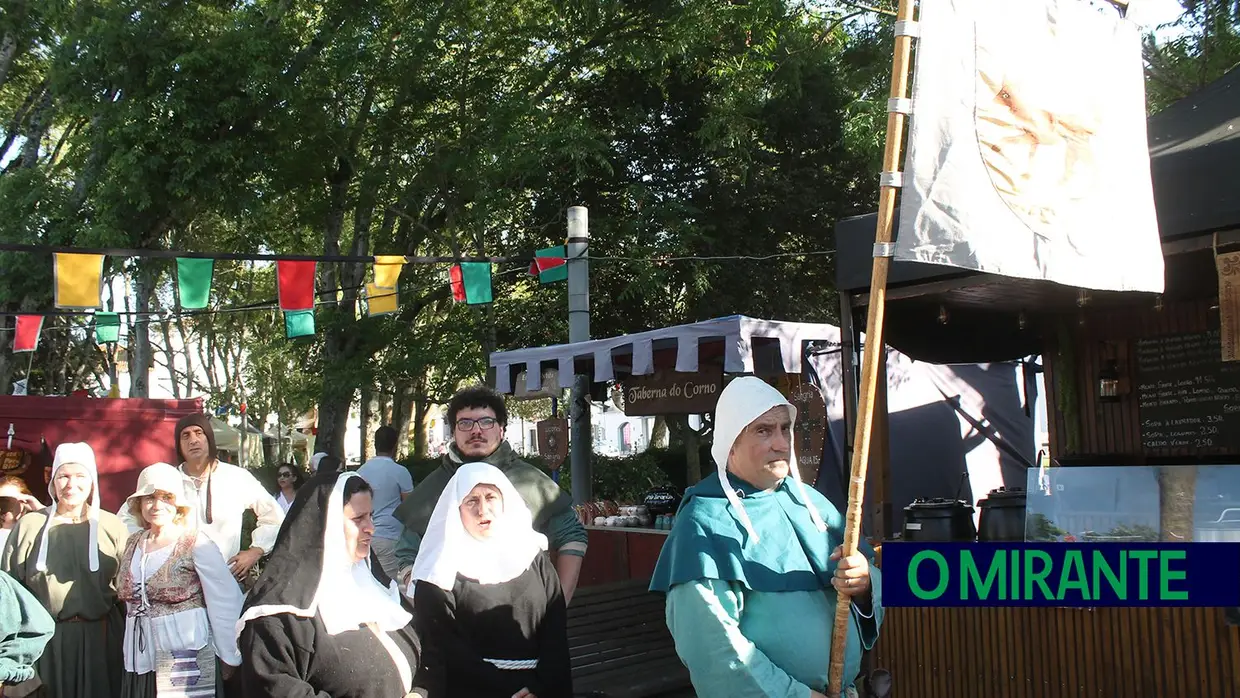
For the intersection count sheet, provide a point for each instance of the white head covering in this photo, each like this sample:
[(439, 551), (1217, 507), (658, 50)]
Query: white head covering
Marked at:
[(314, 461), (741, 402), (348, 595), (81, 454), (447, 548), (160, 477)]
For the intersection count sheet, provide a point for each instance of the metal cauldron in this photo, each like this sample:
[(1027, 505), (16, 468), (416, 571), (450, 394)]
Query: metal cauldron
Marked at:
[(940, 520), (1003, 516)]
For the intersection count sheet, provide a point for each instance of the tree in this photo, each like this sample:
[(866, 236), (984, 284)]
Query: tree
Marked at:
[(1204, 44)]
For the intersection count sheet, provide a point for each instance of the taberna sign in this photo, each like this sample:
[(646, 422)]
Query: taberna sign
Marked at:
[(671, 392)]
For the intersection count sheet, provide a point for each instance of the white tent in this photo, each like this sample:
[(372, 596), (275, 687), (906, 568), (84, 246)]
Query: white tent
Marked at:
[(228, 438)]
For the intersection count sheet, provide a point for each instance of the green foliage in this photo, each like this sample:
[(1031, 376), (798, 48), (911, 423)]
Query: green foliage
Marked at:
[(1204, 44), (705, 128)]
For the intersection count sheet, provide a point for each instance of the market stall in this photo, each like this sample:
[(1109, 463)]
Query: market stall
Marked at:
[(673, 370), (957, 428), (1121, 470)]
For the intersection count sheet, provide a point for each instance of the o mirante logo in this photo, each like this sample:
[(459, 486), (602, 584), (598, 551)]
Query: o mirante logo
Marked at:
[(1061, 574)]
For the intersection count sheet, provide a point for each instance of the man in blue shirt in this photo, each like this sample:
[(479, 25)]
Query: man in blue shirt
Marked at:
[(391, 482)]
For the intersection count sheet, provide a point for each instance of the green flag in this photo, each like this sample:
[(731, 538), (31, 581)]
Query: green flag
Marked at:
[(471, 282), (298, 323), (194, 281), (107, 328)]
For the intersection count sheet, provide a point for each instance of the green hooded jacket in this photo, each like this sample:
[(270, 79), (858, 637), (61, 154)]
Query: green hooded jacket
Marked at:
[(550, 505), (25, 629)]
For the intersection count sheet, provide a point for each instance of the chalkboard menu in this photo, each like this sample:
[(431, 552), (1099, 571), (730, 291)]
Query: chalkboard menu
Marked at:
[(1189, 398)]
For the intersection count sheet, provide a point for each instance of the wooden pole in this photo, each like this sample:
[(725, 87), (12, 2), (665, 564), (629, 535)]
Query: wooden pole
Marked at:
[(874, 353)]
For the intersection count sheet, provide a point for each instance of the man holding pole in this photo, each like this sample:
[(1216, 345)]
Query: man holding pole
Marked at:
[(753, 567)]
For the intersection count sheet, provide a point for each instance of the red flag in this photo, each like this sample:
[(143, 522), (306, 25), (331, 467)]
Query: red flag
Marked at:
[(542, 264), (458, 283), (26, 338), (295, 282)]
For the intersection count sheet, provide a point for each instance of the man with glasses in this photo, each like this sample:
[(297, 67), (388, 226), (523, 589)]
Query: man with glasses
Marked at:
[(479, 418)]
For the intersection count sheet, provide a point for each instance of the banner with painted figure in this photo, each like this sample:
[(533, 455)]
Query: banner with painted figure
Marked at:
[(1027, 153)]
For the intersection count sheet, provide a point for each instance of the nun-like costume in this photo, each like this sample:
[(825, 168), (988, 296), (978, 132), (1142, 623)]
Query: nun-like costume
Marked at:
[(317, 623), (490, 612), (747, 573), (70, 565)]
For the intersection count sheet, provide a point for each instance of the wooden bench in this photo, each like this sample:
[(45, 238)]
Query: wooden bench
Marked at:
[(620, 645)]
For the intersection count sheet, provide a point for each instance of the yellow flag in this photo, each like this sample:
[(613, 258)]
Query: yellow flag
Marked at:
[(381, 301), (78, 280), (387, 270)]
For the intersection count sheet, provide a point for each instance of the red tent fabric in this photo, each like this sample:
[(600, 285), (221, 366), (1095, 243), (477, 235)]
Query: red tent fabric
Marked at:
[(127, 435)]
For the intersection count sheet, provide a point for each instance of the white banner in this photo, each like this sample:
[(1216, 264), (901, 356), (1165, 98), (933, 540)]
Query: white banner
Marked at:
[(1027, 153)]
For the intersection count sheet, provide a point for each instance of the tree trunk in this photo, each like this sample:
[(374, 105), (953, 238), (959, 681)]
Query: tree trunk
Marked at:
[(6, 357), (658, 435), (384, 410), (140, 358), (333, 420), (421, 406), (365, 413), (1177, 490), (170, 355), (8, 45), (189, 356), (401, 418), (678, 426)]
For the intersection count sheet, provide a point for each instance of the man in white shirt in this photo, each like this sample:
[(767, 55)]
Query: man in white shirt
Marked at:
[(220, 494), (391, 482)]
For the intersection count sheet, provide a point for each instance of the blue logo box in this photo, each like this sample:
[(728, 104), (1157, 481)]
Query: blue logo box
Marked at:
[(1082, 575)]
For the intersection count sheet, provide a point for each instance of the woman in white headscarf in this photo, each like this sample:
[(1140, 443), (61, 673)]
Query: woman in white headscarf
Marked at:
[(490, 610), (67, 555), (182, 600), (323, 619)]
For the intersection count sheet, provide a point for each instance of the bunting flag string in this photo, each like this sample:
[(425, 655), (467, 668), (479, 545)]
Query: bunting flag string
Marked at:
[(78, 280), (381, 301), (295, 284), (78, 283), (387, 270), (194, 282), (27, 336), (550, 265), (471, 282), (107, 328), (298, 323)]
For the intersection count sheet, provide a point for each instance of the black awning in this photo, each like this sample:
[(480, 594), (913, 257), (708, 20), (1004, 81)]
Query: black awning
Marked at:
[(1195, 160)]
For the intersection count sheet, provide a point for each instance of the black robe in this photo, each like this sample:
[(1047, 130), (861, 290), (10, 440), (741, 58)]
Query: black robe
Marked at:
[(524, 618), (291, 657), (288, 656)]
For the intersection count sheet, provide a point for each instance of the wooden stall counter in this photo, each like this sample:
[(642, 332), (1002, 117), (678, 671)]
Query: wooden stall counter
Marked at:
[(620, 554)]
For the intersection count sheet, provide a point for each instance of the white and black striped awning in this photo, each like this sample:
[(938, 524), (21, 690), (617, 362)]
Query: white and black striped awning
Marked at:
[(636, 351)]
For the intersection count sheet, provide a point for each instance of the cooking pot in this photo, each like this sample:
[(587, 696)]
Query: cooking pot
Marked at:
[(941, 520), (1003, 516), (1225, 530)]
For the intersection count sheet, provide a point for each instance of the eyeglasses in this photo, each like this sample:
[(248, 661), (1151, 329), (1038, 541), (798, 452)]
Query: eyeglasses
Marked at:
[(467, 424), (284, 476)]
